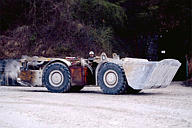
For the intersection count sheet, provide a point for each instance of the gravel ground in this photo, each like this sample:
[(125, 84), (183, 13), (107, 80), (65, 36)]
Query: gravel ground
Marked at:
[(35, 107)]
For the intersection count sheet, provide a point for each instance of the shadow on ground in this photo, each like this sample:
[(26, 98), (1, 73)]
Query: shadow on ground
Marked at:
[(99, 92)]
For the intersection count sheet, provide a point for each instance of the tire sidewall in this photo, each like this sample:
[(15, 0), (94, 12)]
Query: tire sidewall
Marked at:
[(65, 86)]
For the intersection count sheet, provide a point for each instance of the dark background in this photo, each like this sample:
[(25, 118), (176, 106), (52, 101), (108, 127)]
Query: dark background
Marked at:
[(131, 28)]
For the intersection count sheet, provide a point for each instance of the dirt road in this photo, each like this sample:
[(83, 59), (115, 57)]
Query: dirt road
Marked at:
[(35, 107)]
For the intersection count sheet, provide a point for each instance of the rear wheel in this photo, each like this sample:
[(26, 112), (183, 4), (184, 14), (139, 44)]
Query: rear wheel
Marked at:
[(56, 77), (111, 79)]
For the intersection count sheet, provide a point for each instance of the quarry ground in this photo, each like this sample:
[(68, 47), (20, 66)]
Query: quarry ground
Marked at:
[(35, 107)]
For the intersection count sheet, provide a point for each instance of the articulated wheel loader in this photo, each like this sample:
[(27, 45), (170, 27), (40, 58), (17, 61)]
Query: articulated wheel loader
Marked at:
[(113, 75)]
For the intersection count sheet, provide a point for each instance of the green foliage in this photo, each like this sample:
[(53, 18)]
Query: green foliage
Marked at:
[(33, 37), (99, 13), (73, 27), (103, 37)]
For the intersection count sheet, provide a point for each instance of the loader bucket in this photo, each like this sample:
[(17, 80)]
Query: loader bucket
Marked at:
[(144, 74)]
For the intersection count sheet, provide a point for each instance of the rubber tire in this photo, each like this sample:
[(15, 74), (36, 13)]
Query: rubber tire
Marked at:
[(65, 86), (76, 88), (121, 86)]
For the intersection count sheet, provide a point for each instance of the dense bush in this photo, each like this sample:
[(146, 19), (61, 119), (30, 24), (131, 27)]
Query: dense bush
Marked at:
[(73, 27)]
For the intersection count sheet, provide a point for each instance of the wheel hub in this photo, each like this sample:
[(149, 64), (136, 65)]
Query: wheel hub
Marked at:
[(56, 78), (110, 78)]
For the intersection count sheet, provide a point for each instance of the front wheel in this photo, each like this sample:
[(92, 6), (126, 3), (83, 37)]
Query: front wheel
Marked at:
[(111, 79), (56, 78)]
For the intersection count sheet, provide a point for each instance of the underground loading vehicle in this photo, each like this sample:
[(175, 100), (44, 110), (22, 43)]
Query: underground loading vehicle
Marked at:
[(113, 75)]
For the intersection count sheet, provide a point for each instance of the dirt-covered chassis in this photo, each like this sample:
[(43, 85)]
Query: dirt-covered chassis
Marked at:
[(113, 75)]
